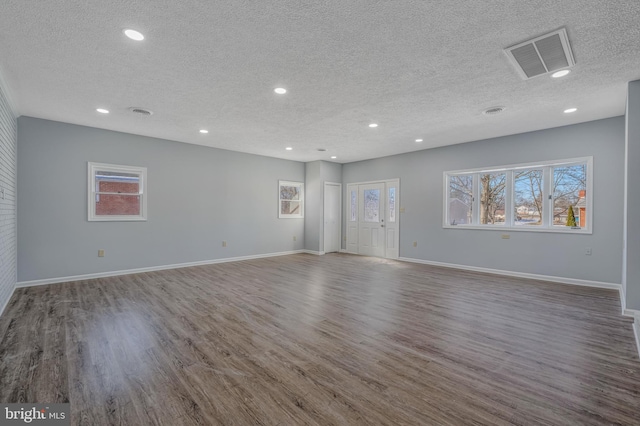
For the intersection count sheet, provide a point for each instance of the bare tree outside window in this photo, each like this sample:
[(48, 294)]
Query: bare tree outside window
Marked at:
[(460, 199), (290, 199), (492, 198), (533, 196), (568, 182)]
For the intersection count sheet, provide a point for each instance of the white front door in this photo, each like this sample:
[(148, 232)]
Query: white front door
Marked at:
[(371, 219), (332, 217)]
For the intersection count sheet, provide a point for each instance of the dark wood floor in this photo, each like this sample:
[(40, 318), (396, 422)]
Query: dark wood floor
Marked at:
[(329, 340)]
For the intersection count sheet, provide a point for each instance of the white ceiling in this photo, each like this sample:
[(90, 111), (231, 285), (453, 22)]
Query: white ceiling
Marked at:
[(421, 69)]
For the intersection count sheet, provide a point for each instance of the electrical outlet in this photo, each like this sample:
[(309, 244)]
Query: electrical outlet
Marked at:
[(587, 251), (415, 244), (401, 209), (505, 236), (224, 244), (295, 238), (100, 253)]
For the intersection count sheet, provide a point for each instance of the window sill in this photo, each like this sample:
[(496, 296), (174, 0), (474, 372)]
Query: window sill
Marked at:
[(118, 219), (559, 230)]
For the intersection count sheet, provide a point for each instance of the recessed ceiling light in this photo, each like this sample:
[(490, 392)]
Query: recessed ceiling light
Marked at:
[(333, 157), (570, 110), (280, 90), (372, 125), (204, 131), (418, 140), (562, 73), (102, 111), (288, 148), (134, 35)]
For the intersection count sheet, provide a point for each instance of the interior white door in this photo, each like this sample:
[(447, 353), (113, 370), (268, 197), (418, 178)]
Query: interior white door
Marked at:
[(332, 217), (371, 214)]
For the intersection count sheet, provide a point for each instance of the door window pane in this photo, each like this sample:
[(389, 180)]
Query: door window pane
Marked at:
[(460, 199), (569, 195), (528, 197), (492, 198), (354, 205), (392, 204), (372, 205)]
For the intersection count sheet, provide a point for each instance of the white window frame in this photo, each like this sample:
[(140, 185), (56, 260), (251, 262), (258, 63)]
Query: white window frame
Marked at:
[(300, 186), (93, 196), (548, 202)]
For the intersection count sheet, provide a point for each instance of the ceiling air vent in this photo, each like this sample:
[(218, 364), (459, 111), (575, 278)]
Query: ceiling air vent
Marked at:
[(493, 110), (542, 55), (141, 111)]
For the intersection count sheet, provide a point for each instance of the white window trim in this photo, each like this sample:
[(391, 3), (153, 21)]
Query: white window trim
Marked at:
[(92, 168), (280, 200), (509, 202)]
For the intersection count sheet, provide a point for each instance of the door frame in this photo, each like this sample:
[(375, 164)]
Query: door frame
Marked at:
[(355, 185)]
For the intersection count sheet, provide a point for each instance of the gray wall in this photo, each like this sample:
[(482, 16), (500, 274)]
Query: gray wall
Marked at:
[(316, 174), (632, 228), (560, 255), (197, 197), (8, 240), (312, 206)]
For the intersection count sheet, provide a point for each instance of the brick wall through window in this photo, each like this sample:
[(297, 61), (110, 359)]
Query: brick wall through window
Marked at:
[(115, 204)]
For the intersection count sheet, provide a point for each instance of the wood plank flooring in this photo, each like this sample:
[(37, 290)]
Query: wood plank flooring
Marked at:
[(321, 340)]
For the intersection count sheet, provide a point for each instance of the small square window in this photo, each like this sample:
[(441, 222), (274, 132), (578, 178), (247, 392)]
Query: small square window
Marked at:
[(291, 199), (117, 193)]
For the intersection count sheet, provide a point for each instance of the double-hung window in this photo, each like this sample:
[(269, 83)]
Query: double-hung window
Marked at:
[(548, 196), (117, 193)]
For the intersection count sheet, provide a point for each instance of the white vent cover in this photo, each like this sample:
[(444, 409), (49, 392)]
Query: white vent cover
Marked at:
[(542, 55)]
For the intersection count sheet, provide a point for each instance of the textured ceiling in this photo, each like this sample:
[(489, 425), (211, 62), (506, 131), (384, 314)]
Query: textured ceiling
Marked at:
[(421, 69)]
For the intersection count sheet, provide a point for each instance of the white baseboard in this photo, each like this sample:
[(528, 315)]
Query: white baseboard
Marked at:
[(623, 299), (631, 313), (317, 253), (551, 278), (636, 333), (150, 269)]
